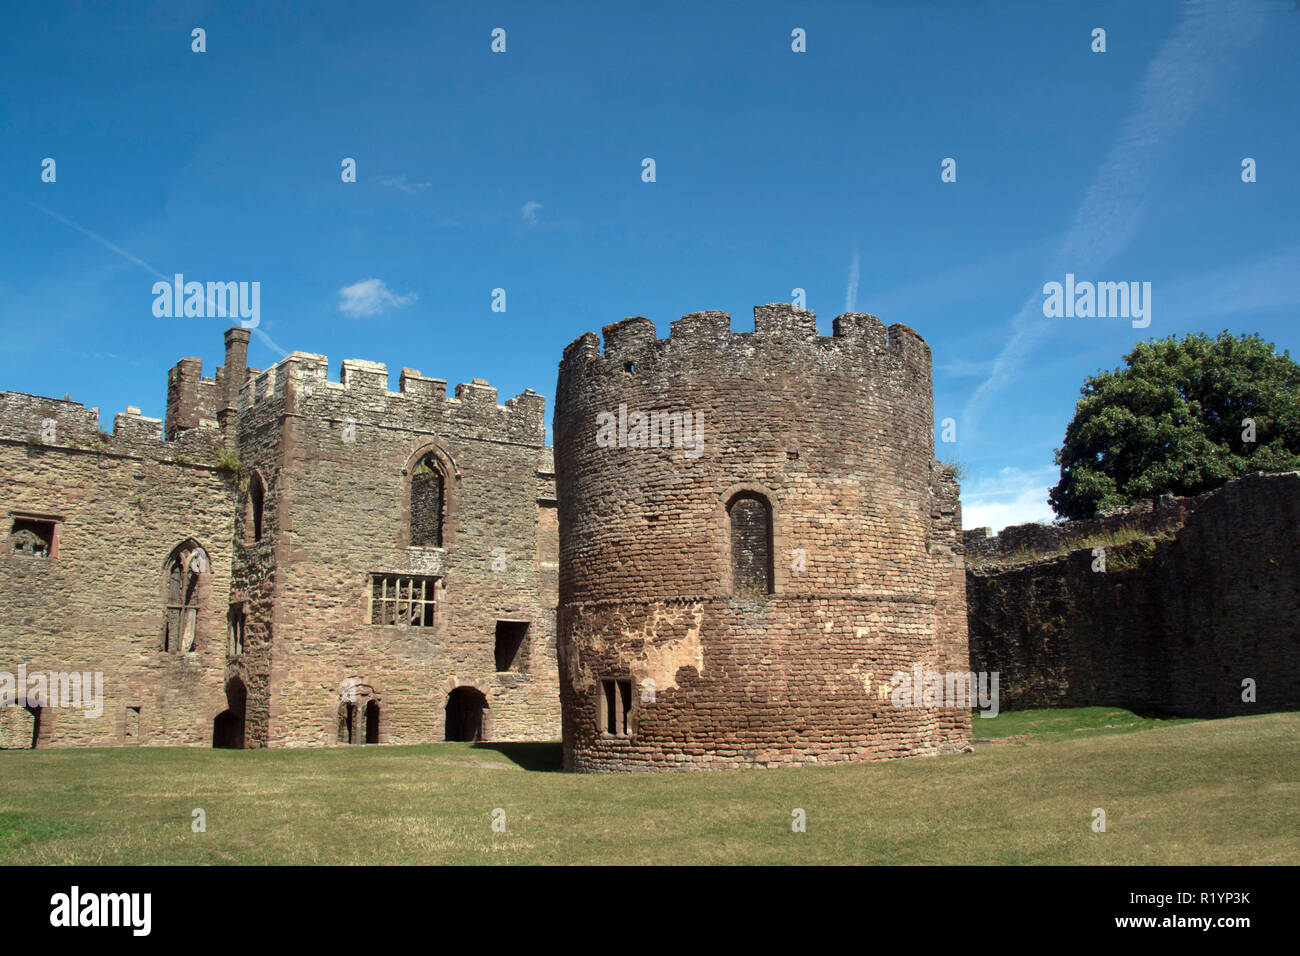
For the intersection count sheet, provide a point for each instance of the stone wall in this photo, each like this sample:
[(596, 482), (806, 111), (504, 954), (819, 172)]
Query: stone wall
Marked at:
[(337, 460), (1037, 540), (1176, 621), (121, 504), (835, 435), (333, 463)]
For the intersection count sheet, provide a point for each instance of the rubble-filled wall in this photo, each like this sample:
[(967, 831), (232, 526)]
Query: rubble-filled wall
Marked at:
[(743, 595), (1194, 597), (221, 581), (91, 521), (337, 461)]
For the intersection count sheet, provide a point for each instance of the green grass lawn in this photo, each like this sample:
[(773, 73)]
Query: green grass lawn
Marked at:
[(1073, 720), (1175, 792)]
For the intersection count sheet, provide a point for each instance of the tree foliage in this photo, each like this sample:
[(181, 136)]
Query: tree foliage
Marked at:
[(1174, 421)]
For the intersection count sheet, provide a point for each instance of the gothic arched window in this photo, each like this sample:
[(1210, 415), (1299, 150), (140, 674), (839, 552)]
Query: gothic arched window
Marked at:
[(181, 616), (427, 503)]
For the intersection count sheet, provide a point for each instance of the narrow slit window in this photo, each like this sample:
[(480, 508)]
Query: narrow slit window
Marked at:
[(256, 507), (236, 621)]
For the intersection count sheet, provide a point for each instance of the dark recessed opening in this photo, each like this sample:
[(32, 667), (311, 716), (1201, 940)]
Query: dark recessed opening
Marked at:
[(616, 707), (465, 707), (372, 722), (131, 726), (512, 646), (228, 726), (31, 538), (256, 506), (347, 722)]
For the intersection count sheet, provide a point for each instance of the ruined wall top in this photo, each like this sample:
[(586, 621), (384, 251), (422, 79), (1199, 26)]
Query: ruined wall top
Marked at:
[(1035, 540), (38, 420), (779, 324)]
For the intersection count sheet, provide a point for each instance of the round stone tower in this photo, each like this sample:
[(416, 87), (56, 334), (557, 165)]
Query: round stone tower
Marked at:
[(754, 540)]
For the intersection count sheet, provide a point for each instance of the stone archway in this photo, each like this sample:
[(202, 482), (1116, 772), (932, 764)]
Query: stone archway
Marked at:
[(228, 726), (359, 711), (466, 714)]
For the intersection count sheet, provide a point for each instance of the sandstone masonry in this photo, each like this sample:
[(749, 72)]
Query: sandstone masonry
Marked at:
[(284, 561), (744, 600), (1197, 596)]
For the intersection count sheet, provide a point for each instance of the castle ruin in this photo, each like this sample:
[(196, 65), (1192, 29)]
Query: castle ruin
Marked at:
[(746, 535), (283, 561), (754, 538)]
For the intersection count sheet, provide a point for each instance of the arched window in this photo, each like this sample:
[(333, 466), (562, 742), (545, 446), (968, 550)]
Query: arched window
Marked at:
[(253, 515), (181, 575), (427, 503), (751, 545)]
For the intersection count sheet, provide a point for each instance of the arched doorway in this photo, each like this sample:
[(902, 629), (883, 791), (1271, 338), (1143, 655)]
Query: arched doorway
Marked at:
[(347, 722), (359, 711), (465, 714), (228, 727)]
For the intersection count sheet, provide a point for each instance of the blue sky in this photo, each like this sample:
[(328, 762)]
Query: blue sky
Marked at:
[(775, 170)]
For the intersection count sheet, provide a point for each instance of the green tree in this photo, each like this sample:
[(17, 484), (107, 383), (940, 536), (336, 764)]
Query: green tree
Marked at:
[(1171, 422)]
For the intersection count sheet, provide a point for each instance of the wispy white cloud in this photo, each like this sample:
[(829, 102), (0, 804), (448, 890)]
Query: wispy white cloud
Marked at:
[(118, 250), (964, 368), (962, 284), (1177, 81), (1011, 497), (371, 297), (851, 292), (134, 260), (399, 183), (531, 219)]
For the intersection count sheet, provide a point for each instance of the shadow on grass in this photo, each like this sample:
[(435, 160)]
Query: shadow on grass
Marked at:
[(544, 758)]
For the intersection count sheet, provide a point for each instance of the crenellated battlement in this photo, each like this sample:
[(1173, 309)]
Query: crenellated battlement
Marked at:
[(41, 421), (765, 411), (857, 336), (301, 382), (784, 483)]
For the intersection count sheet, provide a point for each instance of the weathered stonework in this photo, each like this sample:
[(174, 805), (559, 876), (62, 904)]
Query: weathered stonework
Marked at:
[(331, 465), (832, 439), (1204, 595)]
